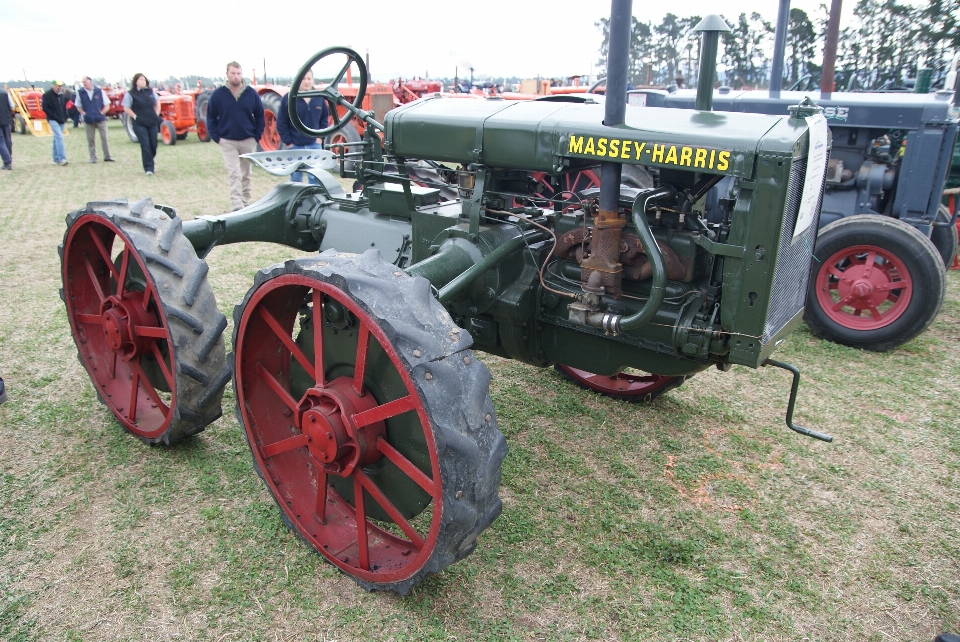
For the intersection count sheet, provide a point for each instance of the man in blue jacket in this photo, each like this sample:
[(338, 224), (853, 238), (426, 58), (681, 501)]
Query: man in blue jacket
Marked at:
[(93, 105), (235, 122), (312, 112)]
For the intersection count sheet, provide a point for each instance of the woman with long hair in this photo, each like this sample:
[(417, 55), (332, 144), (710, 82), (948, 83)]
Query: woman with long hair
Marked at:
[(142, 104)]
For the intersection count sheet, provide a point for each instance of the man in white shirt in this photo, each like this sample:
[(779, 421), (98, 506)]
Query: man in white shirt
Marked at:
[(93, 105)]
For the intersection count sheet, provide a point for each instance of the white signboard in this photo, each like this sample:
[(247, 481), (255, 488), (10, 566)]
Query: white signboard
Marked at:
[(816, 167)]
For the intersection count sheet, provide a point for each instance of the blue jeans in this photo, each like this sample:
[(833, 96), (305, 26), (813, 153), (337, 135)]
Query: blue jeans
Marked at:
[(6, 145), (297, 177), (59, 151)]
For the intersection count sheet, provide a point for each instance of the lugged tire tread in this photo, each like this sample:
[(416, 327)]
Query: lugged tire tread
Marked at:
[(197, 404), (470, 447)]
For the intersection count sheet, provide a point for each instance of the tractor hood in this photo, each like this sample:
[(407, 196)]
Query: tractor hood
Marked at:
[(553, 136)]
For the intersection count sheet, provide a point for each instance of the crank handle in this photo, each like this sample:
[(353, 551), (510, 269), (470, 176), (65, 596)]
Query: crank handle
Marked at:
[(793, 401)]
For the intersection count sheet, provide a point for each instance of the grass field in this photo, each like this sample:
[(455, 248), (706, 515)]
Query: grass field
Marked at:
[(697, 517)]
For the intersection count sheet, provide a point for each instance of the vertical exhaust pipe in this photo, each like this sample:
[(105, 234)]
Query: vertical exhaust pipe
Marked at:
[(711, 26), (779, 49), (601, 272)]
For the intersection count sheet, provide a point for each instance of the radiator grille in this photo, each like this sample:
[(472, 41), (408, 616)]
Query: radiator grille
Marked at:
[(792, 271)]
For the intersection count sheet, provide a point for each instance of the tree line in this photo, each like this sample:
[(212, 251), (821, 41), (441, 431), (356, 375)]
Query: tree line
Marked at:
[(886, 44)]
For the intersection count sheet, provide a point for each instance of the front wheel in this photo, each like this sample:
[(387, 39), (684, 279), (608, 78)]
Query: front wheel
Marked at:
[(635, 388), (21, 125), (168, 133), (270, 140), (876, 283), (368, 417), (345, 138)]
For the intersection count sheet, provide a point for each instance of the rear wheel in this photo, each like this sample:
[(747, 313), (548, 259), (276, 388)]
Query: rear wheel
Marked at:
[(876, 283), (128, 127), (346, 369), (168, 133), (347, 134), (144, 319), (270, 140), (202, 133), (635, 388)]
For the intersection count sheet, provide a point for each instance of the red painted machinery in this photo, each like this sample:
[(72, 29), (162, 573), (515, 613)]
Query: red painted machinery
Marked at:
[(178, 117)]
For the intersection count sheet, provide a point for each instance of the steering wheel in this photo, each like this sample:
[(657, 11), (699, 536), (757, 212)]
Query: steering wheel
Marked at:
[(330, 93)]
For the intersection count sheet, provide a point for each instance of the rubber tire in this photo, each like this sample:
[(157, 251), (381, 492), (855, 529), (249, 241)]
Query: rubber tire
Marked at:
[(636, 177), (188, 305), (201, 113), (182, 136), (128, 127), (347, 134), (470, 448), (944, 237), (270, 141), (911, 247), (20, 124), (650, 395), (168, 133)]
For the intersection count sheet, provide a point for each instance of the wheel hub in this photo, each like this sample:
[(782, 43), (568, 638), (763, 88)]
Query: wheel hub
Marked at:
[(862, 289), (326, 417), (121, 316), (866, 288)]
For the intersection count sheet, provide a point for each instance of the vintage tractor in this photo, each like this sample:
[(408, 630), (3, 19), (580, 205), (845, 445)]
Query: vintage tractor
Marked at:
[(178, 117), (378, 98), (878, 273), (29, 117), (367, 413)]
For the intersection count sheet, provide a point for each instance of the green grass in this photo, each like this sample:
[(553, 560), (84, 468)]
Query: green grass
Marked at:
[(698, 517)]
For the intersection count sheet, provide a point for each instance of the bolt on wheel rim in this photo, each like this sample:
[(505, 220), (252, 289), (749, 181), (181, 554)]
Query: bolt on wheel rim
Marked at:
[(341, 451), (864, 287), (122, 340)]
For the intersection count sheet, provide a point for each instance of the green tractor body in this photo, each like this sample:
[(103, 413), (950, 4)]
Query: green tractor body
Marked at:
[(368, 417)]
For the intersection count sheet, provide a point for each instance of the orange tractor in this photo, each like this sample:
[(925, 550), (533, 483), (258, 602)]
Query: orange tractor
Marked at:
[(178, 117)]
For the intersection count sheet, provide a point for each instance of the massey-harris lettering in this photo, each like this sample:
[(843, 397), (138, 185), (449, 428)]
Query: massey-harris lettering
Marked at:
[(653, 153)]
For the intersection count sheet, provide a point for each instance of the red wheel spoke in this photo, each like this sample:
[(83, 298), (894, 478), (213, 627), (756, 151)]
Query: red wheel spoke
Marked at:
[(93, 278), (124, 265), (284, 445), (321, 496), (843, 302), (387, 410), (149, 388), (319, 374), (363, 342), (406, 466), (903, 286), (150, 331), (134, 394), (876, 313), (163, 366), (391, 510), (277, 388), (92, 319), (146, 299), (869, 264), (836, 272), (287, 341), (103, 253), (113, 366), (362, 543)]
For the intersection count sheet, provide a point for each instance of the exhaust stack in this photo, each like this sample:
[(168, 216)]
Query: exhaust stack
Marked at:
[(711, 26)]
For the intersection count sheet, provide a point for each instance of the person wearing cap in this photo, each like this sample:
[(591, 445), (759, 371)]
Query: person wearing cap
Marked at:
[(94, 105), (55, 108)]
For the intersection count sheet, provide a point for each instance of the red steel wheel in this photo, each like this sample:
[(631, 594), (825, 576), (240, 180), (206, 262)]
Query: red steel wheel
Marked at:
[(864, 287), (144, 319), (876, 283), (168, 133), (625, 386), (345, 372)]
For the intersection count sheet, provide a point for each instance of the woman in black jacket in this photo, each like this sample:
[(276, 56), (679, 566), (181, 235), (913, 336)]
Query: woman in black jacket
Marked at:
[(142, 104)]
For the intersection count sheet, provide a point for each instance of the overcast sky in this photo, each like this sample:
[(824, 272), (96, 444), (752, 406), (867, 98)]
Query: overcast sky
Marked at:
[(521, 38)]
